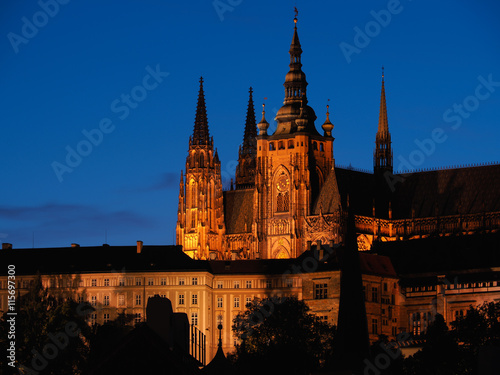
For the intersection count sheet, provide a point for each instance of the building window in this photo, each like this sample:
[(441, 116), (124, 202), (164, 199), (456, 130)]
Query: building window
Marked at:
[(269, 284), (374, 326), (93, 300), (106, 282), (80, 299), (150, 281), (220, 285), (121, 282), (236, 284), (137, 318), (93, 319), (121, 300), (289, 283), (219, 319), (320, 291), (194, 281), (163, 281), (416, 323), (106, 301), (248, 301), (94, 282), (194, 299), (181, 281), (459, 314), (138, 299), (282, 202), (374, 294), (385, 287), (237, 302), (138, 281), (106, 318), (249, 284), (163, 295), (220, 301), (194, 319), (181, 299)]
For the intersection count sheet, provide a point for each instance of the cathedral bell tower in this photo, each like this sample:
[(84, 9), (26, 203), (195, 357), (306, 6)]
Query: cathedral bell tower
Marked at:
[(291, 167), (200, 217)]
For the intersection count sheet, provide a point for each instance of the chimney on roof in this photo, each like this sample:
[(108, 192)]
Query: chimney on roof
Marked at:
[(75, 245), (139, 247), (6, 246)]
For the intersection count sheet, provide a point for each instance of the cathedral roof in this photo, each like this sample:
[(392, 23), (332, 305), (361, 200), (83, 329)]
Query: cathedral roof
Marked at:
[(469, 190), (448, 192), (329, 198)]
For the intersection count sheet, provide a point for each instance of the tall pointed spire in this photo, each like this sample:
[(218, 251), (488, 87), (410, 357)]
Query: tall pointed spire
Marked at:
[(249, 142), (383, 125), (201, 135), (245, 170), (383, 153)]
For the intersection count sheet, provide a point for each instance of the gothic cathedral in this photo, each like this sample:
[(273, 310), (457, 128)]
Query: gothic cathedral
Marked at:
[(288, 194)]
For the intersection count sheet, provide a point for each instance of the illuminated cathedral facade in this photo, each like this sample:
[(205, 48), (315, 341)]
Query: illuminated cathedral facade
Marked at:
[(288, 194)]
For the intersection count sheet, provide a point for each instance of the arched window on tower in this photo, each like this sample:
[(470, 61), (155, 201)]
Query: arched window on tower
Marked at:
[(271, 146), (202, 160)]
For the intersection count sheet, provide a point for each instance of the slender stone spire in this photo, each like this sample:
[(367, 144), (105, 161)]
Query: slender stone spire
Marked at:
[(201, 135), (383, 153), (249, 142), (245, 171), (383, 125)]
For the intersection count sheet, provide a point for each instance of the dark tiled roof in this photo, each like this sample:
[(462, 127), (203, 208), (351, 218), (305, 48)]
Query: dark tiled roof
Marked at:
[(430, 193), (359, 186), (98, 259), (238, 210), (329, 199), (448, 192), (442, 254), (376, 265)]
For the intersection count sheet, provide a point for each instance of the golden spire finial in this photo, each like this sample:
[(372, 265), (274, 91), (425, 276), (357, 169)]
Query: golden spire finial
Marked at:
[(327, 108), (296, 14)]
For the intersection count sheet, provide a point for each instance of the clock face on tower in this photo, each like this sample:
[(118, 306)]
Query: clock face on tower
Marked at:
[(282, 184)]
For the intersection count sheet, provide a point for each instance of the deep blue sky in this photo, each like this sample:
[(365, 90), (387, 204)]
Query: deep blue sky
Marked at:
[(64, 79)]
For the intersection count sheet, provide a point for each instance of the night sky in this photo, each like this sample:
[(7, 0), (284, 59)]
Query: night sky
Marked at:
[(74, 73)]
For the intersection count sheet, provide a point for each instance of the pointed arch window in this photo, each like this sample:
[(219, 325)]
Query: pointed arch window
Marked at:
[(202, 160), (283, 195)]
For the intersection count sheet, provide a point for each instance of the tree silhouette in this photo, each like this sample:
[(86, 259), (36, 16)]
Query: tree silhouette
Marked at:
[(279, 335), (50, 333)]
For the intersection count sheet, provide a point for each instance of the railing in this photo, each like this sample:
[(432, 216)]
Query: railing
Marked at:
[(197, 344)]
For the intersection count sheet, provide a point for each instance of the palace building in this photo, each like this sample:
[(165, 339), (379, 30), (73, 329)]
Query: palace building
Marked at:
[(429, 240)]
